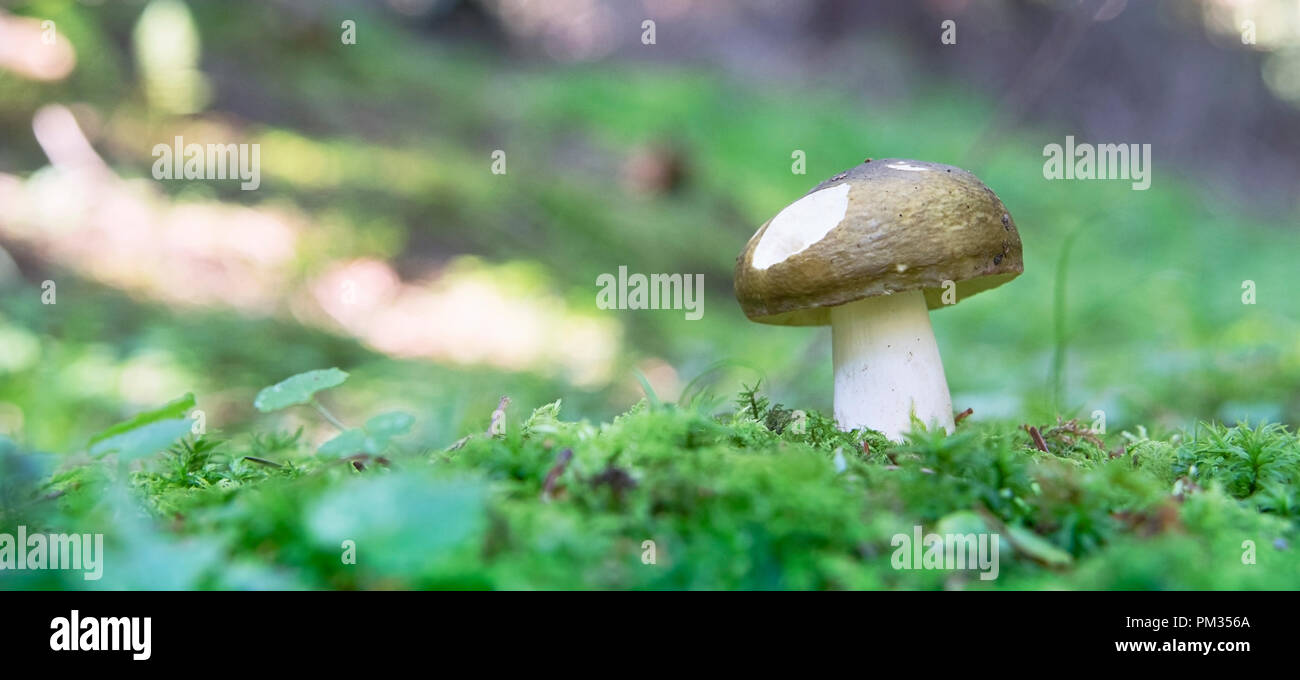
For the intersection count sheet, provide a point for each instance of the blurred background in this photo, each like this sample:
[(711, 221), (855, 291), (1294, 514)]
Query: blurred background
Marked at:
[(380, 240)]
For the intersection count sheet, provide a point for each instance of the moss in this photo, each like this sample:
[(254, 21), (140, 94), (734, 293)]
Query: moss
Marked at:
[(665, 496)]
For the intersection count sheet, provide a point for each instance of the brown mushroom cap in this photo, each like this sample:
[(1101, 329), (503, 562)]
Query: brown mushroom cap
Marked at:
[(906, 225)]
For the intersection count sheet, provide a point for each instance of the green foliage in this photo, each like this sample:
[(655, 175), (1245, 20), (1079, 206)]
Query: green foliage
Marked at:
[(349, 442), (298, 389), (391, 424), (751, 402), (142, 441), (172, 410), (20, 473), (198, 465), (765, 497), (1260, 465), (147, 433), (373, 439), (403, 524)]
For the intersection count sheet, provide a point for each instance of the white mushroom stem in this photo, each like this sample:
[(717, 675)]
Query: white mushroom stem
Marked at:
[(887, 366)]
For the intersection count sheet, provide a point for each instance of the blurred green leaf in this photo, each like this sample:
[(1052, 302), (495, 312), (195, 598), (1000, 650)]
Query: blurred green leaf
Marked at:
[(1037, 548), (371, 439), (349, 442), (404, 523), (390, 424), (962, 522), (142, 441), (298, 389), (172, 410)]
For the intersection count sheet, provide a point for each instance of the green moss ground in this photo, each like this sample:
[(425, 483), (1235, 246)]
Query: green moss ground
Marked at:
[(730, 501)]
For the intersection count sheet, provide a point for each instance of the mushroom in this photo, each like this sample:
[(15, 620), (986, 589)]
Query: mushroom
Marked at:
[(870, 251)]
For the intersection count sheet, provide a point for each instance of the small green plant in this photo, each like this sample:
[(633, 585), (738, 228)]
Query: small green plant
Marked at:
[(301, 389), (372, 439)]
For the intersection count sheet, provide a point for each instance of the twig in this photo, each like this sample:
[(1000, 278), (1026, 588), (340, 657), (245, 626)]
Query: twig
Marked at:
[(1038, 438), (496, 426), (1071, 431), (962, 416), (561, 462), (358, 460)]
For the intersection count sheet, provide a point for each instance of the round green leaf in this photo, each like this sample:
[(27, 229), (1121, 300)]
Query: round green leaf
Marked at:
[(390, 424), (298, 389), (345, 444)]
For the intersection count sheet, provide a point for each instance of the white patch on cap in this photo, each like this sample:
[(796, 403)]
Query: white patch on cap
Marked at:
[(905, 166), (801, 224)]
